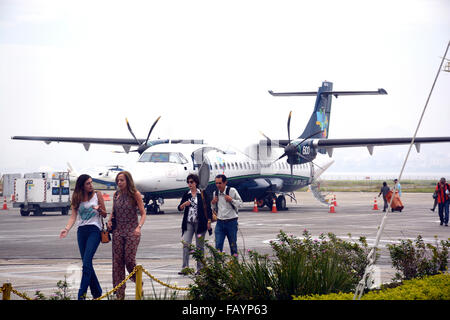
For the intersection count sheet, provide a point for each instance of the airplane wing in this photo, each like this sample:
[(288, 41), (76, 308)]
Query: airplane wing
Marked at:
[(330, 144), (125, 143)]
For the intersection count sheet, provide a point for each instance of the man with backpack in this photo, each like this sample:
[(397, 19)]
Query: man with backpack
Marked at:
[(226, 201), (443, 190)]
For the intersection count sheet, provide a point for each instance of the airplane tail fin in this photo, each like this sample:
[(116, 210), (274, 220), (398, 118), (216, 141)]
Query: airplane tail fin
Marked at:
[(319, 122)]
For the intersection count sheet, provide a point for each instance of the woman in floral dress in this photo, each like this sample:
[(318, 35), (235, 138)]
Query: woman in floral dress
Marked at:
[(127, 203)]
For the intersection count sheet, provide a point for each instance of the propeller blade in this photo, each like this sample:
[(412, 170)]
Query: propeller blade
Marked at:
[(289, 126), (131, 131), (311, 135), (262, 133), (151, 129)]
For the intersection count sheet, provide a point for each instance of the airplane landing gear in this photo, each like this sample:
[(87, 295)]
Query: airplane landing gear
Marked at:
[(280, 202)]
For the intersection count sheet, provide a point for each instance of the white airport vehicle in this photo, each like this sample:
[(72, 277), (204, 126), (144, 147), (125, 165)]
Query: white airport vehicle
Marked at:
[(42, 192)]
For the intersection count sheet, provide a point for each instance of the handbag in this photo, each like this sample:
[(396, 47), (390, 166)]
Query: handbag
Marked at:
[(105, 236)]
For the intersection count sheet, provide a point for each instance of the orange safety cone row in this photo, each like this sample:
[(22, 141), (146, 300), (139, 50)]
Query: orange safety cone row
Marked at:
[(274, 206), (332, 210), (255, 206), (5, 205), (375, 205)]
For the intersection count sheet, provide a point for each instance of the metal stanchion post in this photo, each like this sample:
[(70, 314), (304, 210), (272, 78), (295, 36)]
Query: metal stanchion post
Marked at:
[(139, 282), (7, 287)]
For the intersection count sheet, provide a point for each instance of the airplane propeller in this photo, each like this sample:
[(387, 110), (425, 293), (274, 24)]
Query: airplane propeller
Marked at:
[(291, 150), (142, 146)]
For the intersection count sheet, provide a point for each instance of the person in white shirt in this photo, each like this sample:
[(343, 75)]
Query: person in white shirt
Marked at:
[(227, 202), (88, 208)]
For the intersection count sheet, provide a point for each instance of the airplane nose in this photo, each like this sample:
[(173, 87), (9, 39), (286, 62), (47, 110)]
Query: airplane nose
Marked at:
[(140, 183), (141, 179)]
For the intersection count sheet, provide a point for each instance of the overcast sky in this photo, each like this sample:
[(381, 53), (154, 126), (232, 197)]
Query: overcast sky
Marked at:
[(79, 68)]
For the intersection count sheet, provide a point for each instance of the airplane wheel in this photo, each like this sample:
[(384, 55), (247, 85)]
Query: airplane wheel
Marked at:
[(24, 213), (281, 203)]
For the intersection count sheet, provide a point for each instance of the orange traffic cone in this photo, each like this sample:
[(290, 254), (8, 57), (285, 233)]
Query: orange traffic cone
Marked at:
[(375, 205), (106, 197), (334, 201), (274, 206), (5, 206), (255, 206), (332, 208)]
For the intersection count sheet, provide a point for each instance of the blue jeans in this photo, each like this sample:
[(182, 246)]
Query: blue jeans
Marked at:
[(226, 228), (88, 241), (443, 211)]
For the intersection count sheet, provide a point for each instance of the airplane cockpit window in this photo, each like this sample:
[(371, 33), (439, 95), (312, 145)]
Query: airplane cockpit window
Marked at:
[(172, 157)]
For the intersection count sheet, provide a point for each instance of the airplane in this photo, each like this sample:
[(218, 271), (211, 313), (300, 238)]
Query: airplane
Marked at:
[(105, 175), (258, 173)]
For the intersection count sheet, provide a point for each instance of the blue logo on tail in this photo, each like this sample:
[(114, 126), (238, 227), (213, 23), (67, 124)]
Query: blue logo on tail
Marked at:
[(322, 121)]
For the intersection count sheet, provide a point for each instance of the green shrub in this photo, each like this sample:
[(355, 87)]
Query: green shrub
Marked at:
[(417, 259), (297, 267), (435, 287), (307, 266)]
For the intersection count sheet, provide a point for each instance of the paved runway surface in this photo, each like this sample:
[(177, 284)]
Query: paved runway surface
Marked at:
[(32, 257)]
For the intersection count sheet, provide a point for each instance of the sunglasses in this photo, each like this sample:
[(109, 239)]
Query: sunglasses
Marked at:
[(191, 181)]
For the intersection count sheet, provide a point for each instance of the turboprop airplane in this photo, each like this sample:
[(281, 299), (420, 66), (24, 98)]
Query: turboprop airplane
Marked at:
[(259, 172), (103, 175)]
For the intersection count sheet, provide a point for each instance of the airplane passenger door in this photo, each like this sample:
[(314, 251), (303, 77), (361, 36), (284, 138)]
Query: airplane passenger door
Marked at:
[(203, 174)]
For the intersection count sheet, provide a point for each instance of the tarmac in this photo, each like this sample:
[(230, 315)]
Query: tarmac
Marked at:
[(33, 258)]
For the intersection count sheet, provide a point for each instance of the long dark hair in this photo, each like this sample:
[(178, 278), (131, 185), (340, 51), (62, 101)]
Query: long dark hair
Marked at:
[(78, 193)]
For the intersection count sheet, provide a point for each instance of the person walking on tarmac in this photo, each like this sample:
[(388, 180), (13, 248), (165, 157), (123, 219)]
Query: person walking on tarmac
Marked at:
[(399, 187), (443, 190), (227, 201), (383, 191), (196, 219), (127, 203), (89, 208)]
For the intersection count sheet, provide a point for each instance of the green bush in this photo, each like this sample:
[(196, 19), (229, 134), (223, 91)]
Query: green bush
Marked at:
[(435, 287), (307, 266), (417, 259), (297, 267)]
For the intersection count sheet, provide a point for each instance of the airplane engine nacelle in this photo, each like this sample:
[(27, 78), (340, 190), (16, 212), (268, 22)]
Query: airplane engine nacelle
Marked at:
[(305, 153)]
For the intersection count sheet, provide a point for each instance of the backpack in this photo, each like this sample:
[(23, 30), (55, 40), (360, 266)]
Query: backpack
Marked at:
[(227, 192)]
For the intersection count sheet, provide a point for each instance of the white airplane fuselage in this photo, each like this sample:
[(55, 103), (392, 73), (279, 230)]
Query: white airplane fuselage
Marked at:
[(162, 170)]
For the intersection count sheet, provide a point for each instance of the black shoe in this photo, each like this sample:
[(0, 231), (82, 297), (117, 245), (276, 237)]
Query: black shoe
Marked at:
[(446, 224), (432, 210), (442, 223)]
